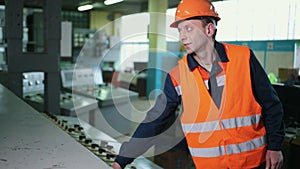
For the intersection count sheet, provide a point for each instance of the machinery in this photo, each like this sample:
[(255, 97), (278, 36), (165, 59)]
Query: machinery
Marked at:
[(114, 112), (70, 104), (99, 143), (37, 140)]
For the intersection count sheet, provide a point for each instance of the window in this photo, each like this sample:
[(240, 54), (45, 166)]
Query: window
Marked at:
[(253, 20), (134, 40)]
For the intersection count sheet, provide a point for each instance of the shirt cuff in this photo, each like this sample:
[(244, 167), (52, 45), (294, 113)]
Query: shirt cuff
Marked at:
[(123, 161)]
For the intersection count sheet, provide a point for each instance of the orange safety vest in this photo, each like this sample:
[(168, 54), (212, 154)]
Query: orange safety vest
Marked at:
[(232, 136)]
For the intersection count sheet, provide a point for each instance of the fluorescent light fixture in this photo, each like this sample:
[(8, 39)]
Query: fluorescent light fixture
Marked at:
[(109, 2), (85, 7)]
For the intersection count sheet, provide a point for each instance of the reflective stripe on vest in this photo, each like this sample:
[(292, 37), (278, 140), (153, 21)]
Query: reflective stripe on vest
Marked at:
[(226, 124), (178, 90), (230, 148)]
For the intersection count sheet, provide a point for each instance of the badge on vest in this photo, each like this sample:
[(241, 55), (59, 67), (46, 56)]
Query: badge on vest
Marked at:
[(221, 80)]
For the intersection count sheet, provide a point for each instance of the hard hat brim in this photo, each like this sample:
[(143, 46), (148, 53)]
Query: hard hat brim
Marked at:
[(175, 24), (177, 21)]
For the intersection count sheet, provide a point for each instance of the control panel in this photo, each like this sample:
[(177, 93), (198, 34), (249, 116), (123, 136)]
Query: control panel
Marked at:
[(70, 104), (31, 141), (99, 143), (81, 77), (102, 149), (33, 81), (89, 83), (114, 113)]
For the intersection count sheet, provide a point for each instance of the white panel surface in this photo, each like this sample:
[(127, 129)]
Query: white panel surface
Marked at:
[(28, 140), (66, 39)]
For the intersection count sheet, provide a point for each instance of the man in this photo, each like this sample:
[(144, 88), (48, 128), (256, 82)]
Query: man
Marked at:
[(232, 117)]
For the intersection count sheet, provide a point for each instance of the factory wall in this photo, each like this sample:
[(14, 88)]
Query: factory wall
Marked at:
[(272, 54), (110, 22)]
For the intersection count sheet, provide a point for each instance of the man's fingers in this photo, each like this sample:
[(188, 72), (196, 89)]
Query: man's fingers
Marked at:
[(268, 163)]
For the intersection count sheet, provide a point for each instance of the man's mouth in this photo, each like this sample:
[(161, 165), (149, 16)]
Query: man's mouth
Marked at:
[(186, 45)]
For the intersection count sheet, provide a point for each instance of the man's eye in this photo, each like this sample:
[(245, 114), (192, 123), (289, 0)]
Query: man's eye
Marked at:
[(188, 28)]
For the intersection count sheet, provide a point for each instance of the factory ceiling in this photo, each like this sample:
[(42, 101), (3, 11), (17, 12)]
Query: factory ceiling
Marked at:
[(125, 7)]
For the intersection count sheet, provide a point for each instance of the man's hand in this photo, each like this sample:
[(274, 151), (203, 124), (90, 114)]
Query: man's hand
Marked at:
[(274, 159), (116, 166)]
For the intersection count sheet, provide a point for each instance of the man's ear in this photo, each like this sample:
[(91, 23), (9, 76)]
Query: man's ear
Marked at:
[(210, 29)]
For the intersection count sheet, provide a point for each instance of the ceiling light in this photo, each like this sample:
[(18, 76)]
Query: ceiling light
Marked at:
[(85, 7), (109, 2)]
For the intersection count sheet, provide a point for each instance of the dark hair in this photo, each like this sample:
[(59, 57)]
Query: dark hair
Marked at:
[(207, 20)]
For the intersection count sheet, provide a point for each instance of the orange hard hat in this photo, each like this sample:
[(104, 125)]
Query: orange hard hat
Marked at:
[(193, 8)]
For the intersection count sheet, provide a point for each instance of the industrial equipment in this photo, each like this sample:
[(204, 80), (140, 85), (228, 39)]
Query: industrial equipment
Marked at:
[(114, 114), (42, 140), (70, 104)]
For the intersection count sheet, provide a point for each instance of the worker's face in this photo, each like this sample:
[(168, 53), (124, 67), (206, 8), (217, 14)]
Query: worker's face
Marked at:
[(193, 35)]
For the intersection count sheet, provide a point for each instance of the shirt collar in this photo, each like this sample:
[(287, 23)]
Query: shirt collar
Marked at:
[(192, 63)]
